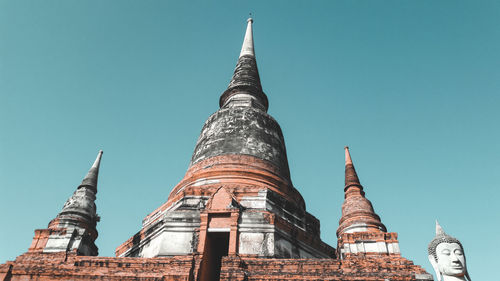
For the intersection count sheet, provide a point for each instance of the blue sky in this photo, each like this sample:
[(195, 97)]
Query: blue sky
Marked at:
[(411, 86)]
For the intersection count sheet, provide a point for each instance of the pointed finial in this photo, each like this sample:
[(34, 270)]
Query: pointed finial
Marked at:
[(97, 161), (351, 177), (247, 48), (91, 177), (439, 229), (348, 159)]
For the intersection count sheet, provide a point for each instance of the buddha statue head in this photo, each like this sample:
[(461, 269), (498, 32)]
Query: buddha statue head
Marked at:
[(447, 257)]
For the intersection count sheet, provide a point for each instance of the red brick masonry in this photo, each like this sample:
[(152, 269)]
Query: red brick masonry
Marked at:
[(62, 266)]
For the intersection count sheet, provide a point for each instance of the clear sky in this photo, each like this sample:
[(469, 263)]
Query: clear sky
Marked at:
[(413, 87)]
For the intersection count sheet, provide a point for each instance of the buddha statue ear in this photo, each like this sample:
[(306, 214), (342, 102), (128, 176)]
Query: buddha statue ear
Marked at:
[(434, 264)]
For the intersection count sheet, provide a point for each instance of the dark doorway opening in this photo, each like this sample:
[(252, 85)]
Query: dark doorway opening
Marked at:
[(216, 247)]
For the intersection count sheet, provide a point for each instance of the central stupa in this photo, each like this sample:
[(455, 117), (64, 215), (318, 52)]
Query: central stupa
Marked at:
[(236, 196)]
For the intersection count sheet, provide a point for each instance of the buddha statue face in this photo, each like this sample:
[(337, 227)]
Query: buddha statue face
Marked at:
[(450, 259), (446, 255)]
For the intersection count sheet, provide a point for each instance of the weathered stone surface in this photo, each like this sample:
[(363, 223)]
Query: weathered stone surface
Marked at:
[(243, 130)]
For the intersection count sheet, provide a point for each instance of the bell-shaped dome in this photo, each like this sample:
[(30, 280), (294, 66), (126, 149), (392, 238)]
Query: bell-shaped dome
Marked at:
[(242, 125)]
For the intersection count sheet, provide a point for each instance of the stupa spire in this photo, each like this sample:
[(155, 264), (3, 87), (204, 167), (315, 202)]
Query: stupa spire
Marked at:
[(359, 225), (245, 88), (357, 211), (74, 228)]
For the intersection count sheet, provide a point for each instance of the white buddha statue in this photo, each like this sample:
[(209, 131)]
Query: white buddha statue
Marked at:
[(447, 257)]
